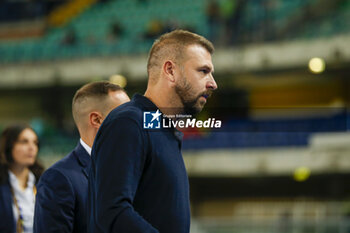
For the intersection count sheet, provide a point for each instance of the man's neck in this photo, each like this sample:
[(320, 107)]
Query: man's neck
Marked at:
[(164, 102), (87, 137)]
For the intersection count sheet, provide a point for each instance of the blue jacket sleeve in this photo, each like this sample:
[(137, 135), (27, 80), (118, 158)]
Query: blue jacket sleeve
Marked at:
[(54, 205), (119, 153)]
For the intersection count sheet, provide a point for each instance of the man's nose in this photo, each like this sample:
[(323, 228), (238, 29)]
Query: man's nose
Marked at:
[(211, 84)]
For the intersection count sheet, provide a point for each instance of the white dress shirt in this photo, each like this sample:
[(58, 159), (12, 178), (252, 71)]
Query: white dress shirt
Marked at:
[(86, 147), (25, 200)]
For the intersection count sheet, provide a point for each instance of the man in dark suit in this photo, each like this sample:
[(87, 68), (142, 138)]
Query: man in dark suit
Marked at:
[(61, 200)]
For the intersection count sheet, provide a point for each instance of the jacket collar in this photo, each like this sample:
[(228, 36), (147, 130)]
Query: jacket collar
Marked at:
[(146, 103), (83, 158)]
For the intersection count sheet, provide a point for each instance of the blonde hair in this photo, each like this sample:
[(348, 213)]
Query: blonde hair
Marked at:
[(172, 45)]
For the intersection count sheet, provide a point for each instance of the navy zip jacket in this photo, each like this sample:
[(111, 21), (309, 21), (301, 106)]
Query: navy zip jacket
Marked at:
[(138, 181)]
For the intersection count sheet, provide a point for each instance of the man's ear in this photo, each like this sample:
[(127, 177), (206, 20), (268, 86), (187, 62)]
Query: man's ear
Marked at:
[(95, 119), (169, 70)]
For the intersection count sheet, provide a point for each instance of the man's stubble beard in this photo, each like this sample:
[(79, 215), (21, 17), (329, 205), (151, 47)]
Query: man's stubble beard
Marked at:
[(184, 92)]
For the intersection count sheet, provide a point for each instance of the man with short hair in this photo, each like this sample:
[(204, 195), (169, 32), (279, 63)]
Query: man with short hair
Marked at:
[(61, 200), (138, 181)]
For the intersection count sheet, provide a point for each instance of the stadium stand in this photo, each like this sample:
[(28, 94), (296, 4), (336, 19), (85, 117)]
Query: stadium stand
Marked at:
[(259, 21), (267, 133)]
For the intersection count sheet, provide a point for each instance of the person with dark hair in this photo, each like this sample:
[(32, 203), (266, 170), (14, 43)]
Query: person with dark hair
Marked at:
[(61, 204), (19, 171), (138, 181)]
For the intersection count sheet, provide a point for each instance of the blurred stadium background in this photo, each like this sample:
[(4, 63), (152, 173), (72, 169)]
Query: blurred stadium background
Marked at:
[(280, 163)]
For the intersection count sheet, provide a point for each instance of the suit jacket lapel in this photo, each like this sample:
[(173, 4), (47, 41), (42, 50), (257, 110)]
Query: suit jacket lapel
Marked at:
[(83, 158), (86, 171)]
